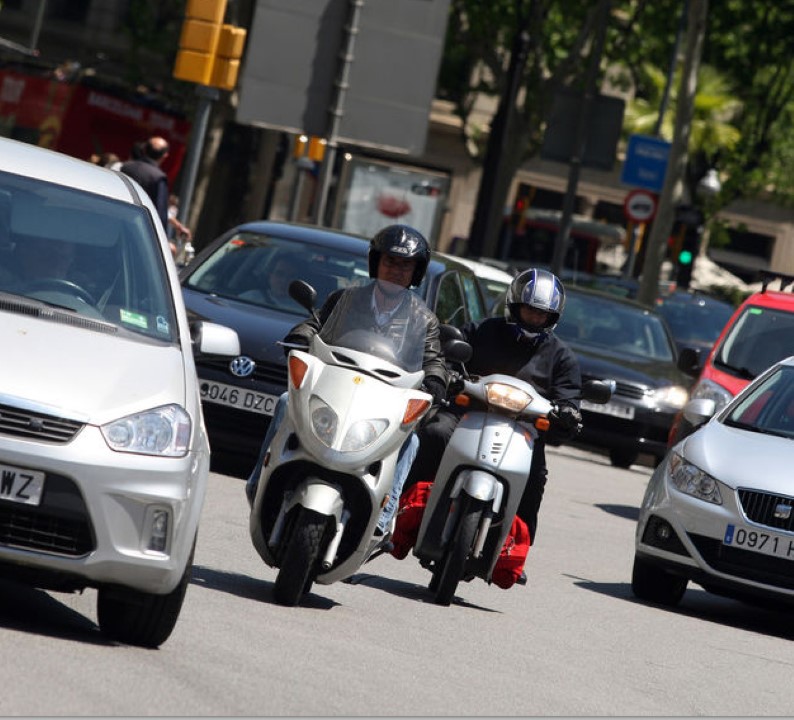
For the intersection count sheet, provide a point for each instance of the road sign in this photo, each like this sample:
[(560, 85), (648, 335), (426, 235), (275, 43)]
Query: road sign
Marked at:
[(645, 163), (639, 206)]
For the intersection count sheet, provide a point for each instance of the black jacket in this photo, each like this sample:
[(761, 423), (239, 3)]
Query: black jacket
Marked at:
[(153, 180), (433, 361), (545, 361)]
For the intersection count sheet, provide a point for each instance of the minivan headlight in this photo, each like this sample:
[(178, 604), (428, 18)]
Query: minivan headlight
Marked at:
[(161, 431), (711, 391)]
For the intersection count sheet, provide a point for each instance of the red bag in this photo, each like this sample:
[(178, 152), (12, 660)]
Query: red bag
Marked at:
[(409, 517), (513, 555)]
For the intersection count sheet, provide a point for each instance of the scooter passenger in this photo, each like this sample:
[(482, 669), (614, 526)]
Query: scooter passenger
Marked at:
[(398, 256), (521, 344)]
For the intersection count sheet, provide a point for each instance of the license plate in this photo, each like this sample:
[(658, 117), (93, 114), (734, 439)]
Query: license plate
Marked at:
[(236, 397), (622, 411), (20, 485), (758, 541)]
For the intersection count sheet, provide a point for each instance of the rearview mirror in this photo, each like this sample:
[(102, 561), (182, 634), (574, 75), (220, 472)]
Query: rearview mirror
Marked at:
[(598, 391), (689, 361), (303, 294)]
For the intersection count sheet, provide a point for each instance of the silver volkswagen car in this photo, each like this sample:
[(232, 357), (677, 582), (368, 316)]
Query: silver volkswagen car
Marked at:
[(104, 457), (719, 509)]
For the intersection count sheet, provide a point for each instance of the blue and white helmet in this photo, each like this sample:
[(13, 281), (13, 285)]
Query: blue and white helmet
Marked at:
[(539, 289)]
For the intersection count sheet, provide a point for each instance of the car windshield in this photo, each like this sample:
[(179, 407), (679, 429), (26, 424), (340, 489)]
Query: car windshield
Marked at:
[(769, 408), (81, 254), (258, 269), (759, 338), (695, 321), (614, 327), (396, 336)]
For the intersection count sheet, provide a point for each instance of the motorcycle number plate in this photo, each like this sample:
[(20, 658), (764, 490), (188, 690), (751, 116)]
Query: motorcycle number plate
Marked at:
[(236, 397)]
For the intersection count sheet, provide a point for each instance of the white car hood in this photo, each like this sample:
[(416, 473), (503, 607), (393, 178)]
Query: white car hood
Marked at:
[(83, 374), (740, 458)]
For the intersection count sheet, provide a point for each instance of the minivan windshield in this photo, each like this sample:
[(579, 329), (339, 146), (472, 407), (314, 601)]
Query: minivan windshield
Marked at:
[(84, 255)]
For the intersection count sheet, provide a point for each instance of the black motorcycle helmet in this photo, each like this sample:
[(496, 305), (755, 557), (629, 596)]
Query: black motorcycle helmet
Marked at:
[(538, 289), (400, 241)]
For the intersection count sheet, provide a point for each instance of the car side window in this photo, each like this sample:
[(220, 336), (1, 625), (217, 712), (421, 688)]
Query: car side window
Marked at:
[(474, 300), (450, 303)]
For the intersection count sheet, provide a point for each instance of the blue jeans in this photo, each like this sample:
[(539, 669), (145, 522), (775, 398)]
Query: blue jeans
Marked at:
[(405, 459)]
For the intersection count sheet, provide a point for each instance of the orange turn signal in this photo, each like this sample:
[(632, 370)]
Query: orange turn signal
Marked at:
[(462, 400), (414, 410), (542, 423), (297, 371)]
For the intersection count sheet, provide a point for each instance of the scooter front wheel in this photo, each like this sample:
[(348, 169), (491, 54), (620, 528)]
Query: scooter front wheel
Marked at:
[(299, 562), (450, 571)]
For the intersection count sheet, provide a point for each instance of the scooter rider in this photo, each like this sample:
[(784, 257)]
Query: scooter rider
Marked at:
[(521, 344), (398, 256)]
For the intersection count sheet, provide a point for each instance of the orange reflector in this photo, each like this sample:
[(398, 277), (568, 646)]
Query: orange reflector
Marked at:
[(297, 371), (462, 400), (542, 423), (414, 410)]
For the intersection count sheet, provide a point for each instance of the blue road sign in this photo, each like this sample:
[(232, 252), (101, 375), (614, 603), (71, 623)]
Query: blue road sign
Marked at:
[(645, 163)]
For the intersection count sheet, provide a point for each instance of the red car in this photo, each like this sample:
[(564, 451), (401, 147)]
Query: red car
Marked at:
[(759, 334)]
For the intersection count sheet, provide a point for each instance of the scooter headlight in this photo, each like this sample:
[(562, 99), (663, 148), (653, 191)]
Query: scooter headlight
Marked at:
[(324, 421), (507, 397), (363, 433)]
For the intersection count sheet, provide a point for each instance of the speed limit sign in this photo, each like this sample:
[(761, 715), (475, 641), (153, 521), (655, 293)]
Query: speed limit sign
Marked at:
[(640, 206)]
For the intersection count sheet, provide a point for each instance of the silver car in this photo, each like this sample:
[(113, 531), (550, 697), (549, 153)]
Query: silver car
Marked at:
[(104, 457), (719, 509)]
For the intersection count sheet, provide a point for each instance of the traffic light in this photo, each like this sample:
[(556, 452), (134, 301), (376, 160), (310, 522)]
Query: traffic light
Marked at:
[(209, 51), (689, 222)]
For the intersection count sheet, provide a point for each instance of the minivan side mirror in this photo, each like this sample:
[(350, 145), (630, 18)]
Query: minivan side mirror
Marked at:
[(212, 339), (689, 361)]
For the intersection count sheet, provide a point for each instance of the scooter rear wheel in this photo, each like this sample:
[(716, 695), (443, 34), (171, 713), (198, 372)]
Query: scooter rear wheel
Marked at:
[(299, 563), (450, 571)]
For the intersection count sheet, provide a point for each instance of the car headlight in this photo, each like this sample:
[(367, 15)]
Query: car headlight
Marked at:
[(324, 421), (711, 391), (690, 479), (161, 431), (363, 433), (507, 397), (673, 395)]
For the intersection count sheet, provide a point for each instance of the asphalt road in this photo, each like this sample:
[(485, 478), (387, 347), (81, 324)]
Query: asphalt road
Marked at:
[(572, 642)]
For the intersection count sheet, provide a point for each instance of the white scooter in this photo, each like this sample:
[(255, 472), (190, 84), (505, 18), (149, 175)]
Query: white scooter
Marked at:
[(483, 474), (353, 400)]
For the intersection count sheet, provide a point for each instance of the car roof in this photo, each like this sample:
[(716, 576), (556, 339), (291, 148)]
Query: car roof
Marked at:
[(20, 158), (610, 297), (481, 269)]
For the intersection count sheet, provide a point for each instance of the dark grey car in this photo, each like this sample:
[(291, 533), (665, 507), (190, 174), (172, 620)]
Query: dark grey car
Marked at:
[(621, 340), (228, 282)]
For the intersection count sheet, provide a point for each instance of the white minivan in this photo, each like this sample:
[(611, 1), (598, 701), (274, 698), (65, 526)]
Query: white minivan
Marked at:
[(104, 457)]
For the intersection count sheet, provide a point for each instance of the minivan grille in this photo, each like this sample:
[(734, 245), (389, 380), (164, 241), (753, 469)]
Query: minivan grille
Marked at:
[(774, 511), (61, 526), (36, 426)]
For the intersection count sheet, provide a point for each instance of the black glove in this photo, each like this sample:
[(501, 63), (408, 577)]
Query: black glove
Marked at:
[(566, 418), (435, 387)]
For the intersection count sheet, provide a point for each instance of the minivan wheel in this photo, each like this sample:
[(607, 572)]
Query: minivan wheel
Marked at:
[(623, 458), (655, 584), (140, 618)]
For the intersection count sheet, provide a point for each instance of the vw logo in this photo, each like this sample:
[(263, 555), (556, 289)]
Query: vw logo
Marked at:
[(242, 366)]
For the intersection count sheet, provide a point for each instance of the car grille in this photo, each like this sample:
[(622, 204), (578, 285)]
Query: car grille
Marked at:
[(59, 525), (263, 372), (630, 391), (36, 426), (760, 507), (777, 572)]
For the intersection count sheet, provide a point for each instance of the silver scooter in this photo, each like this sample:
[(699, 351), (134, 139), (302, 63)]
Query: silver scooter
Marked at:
[(483, 474), (354, 398)]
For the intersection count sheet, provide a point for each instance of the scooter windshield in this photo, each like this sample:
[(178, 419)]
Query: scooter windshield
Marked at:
[(381, 319)]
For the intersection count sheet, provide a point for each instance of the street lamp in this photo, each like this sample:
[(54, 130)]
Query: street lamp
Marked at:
[(709, 185)]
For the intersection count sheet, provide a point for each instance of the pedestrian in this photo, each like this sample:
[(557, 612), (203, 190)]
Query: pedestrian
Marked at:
[(147, 172)]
